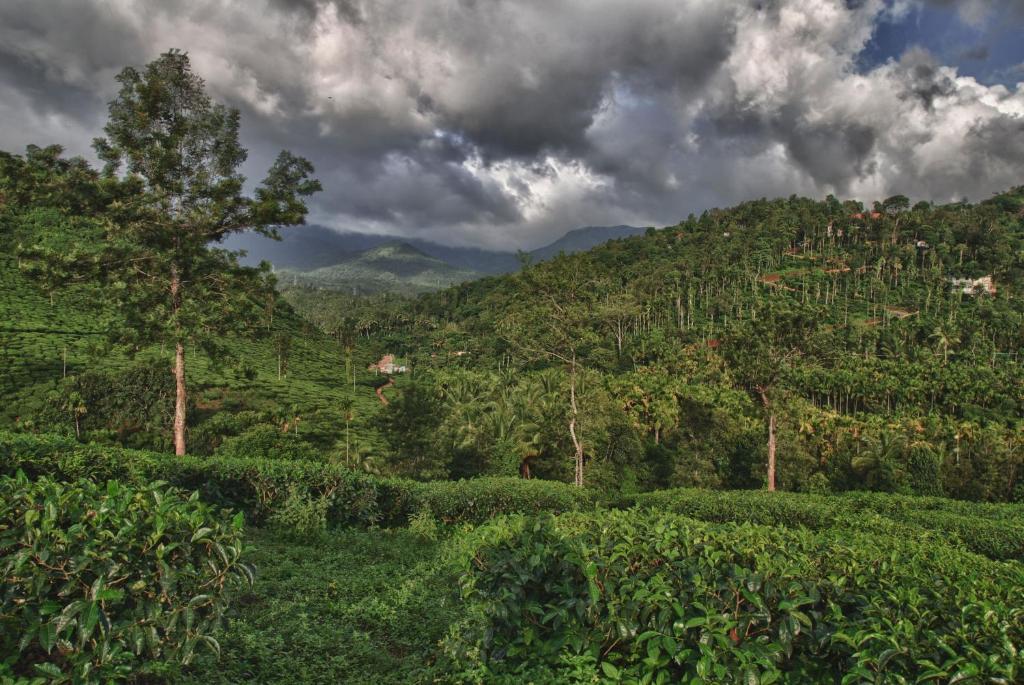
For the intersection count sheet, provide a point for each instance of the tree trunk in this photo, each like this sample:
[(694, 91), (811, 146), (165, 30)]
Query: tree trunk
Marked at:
[(771, 438), (179, 371), (179, 399), (572, 424)]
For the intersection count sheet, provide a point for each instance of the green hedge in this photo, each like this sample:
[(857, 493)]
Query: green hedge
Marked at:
[(994, 530), (107, 582), (643, 596), (885, 503), (258, 486)]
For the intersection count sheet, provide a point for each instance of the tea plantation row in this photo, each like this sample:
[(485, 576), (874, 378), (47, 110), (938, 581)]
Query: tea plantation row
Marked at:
[(262, 488), (512, 581), (321, 495), (650, 597)]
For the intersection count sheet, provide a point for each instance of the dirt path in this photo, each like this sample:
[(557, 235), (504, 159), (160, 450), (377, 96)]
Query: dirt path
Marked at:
[(380, 390)]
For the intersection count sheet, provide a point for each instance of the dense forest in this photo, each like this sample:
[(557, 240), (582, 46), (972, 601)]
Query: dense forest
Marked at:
[(574, 473), (877, 348), (872, 347)]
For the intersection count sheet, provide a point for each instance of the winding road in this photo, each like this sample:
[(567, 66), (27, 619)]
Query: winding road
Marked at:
[(380, 390)]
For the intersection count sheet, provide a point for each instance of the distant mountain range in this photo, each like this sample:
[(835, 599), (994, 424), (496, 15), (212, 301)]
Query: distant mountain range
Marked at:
[(314, 247), (393, 267)]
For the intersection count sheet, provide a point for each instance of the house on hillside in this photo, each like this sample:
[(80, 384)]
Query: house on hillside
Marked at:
[(387, 366), (973, 286)]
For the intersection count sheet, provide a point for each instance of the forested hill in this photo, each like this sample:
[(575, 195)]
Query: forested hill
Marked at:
[(887, 342), (878, 348), (393, 267)]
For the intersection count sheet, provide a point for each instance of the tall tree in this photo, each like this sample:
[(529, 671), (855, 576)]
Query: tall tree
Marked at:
[(555, 321), (178, 154), (761, 351)]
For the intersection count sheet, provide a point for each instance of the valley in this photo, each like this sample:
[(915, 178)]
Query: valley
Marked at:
[(779, 441)]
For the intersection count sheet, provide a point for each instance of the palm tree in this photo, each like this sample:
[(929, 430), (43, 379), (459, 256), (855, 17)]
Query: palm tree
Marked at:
[(944, 338), (881, 465)]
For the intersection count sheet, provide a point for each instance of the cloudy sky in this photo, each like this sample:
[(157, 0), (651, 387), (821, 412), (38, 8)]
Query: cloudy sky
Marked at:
[(504, 123)]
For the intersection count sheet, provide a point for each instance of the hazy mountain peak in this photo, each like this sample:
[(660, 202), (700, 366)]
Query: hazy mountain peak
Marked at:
[(322, 251), (396, 250)]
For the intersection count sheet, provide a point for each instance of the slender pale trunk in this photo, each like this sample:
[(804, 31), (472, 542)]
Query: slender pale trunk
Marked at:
[(179, 399), (771, 440), (572, 423), (179, 370)]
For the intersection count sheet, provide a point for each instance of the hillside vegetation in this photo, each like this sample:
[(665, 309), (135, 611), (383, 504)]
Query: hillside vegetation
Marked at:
[(393, 268), (562, 475), (846, 341), (64, 373), (504, 580), (879, 348)]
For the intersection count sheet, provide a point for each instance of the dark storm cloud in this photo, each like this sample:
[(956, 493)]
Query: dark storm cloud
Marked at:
[(978, 53), (924, 78), (507, 123)]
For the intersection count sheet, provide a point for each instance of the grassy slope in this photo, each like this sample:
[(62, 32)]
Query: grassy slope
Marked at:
[(356, 607), (315, 383)]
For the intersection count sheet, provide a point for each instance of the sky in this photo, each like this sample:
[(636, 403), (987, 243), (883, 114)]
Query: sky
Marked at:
[(506, 123)]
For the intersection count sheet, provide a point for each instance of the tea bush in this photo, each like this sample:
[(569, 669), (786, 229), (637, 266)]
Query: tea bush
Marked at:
[(259, 487), (267, 442), (652, 598), (480, 499), (302, 517), (103, 582), (994, 530)]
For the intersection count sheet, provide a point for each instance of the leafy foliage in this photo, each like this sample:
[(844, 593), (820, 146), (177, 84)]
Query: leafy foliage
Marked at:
[(410, 423), (109, 582), (879, 368), (992, 530), (267, 442), (353, 606), (180, 191), (650, 597), (132, 407), (263, 488)]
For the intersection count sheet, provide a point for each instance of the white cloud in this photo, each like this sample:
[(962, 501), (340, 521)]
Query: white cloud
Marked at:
[(505, 123)]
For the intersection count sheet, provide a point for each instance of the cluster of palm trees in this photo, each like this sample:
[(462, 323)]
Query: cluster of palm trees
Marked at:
[(503, 420)]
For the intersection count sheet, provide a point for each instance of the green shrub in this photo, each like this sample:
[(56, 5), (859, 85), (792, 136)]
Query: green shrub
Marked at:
[(103, 582), (267, 442), (653, 597), (423, 524), (993, 530), (480, 499), (131, 407), (259, 487), (300, 515)]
